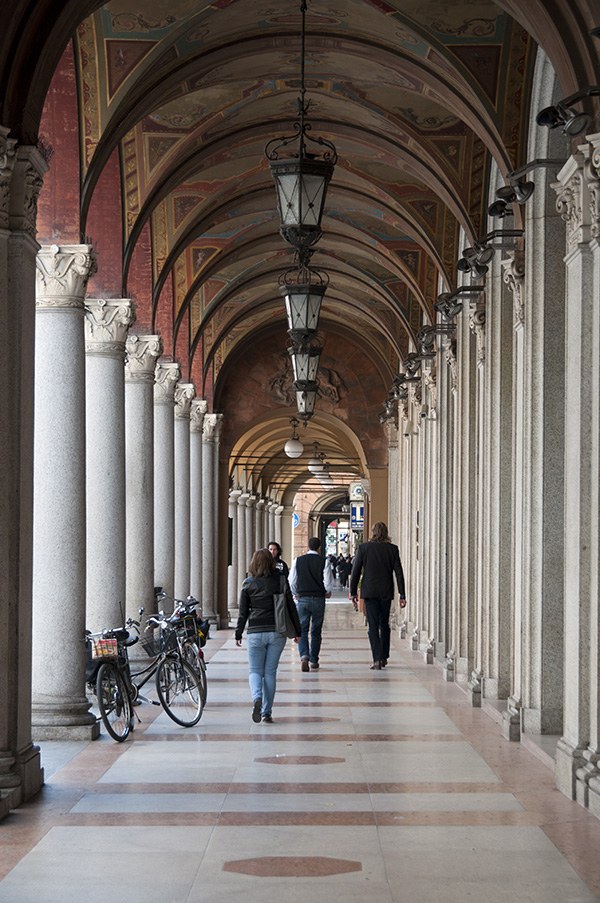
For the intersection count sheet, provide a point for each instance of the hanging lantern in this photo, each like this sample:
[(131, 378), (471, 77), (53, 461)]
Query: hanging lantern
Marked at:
[(293, 447), (315, 465), (306, 396), (303, 289), (305, 362)]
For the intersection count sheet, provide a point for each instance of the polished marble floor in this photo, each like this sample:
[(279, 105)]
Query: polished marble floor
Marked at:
[(379, 786)]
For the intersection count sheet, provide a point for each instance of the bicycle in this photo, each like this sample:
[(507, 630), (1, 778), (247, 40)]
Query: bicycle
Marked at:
[(117, 688), (192, 632)]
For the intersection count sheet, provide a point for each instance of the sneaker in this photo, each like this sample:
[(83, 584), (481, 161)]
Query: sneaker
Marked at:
[(305, 664), (314, 666), (268, 719), (256, 710)]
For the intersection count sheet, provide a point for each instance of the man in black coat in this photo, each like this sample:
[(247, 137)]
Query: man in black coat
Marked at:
[(378, 561)]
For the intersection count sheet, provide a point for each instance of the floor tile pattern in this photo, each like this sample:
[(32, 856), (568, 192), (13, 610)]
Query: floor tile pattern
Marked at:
[(380, 785)]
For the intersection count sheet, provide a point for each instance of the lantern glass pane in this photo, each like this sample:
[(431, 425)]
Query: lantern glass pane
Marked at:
[(305, 401), (303, 306)]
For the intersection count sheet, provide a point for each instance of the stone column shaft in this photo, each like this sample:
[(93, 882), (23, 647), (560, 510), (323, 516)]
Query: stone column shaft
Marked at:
[(60, 707), (166, 377), (198, 410), (106, 325), (184, 395), (142, 353), (210, 437)]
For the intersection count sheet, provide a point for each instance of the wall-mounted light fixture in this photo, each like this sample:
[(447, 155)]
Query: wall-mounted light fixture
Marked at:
[(426, 338), (560, 114), (293, 447), (518, 191), (477, 258), (301, 176), (448, 304)]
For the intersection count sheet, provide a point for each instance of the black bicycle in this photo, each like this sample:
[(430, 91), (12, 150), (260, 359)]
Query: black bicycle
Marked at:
[(117, 688), (191, 632)]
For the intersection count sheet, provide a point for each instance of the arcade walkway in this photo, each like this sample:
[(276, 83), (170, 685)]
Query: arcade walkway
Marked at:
[(368, 786)]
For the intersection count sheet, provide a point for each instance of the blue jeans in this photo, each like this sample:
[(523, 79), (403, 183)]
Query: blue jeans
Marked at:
[(311, 611), (378, 620), (264, 652)]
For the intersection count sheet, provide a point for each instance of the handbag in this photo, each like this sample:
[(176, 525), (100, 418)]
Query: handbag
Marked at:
[(283, 620)]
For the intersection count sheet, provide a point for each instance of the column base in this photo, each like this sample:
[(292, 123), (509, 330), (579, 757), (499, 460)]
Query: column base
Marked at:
[(63, 720), (511, 722), (594, 796), (568, 760), (474, 688), (584, 775), (28, 766), (429, 653)]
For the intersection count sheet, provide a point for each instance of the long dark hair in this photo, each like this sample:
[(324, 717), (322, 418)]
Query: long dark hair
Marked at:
[(379, 532), (262, 563)]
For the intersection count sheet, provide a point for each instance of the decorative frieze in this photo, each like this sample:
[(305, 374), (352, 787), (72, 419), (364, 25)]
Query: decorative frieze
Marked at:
[(106, 323), (142, 353), (594, 185), (514, 277), (62, 274), (184, 395)]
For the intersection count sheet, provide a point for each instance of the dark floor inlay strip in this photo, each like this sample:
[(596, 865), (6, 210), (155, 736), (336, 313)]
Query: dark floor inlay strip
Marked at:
[(292, 866)]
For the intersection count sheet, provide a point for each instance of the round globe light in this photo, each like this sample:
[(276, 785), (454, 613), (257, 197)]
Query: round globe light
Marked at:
[(293, 448), (315, 466)]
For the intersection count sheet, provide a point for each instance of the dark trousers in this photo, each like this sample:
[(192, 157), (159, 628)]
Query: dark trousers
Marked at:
[(378, 621)]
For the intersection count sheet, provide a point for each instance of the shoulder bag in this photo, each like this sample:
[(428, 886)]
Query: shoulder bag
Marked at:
[(283, 620)]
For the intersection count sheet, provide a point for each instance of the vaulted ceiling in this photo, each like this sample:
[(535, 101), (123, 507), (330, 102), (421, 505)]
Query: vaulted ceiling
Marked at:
[(155, 121)]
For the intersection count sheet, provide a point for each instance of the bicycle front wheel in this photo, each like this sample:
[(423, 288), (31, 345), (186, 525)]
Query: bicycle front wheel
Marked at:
[(194, 658), (114, 702), (178, 689)]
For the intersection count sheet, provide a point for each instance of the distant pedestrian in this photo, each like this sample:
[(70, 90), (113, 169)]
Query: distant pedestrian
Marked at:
[(275, 550), (378, 561), (311, 582), (265, 644)]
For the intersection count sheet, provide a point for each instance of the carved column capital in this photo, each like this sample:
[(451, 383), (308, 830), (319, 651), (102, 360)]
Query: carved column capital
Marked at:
[(197, 413), (574, 202), (514, 277), (62, 273), (166, 377), (430, 383), (142, 353), (450, 358), (106, 323), (184, 395), (477, 325), (213, 424), (594, 185), (415, 394)]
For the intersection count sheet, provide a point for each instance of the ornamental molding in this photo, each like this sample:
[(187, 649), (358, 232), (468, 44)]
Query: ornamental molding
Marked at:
[(594, 185), (142, 353), (166, 376), (415, 394), (184, 395), (575, 202), (106, 323), (8, 157), (449, 347), (514, 277), (62, 273), (213, 424), (199, 407), (430, 383)]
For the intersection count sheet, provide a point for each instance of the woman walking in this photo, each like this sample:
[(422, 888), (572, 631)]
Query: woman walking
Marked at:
[(378, 561), (275, 550), (265, 644)]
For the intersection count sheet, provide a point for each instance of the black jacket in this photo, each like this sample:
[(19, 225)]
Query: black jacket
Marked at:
[(378, 562), (257, 607)]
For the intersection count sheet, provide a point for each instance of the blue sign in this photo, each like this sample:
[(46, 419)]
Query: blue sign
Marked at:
[(295, 520), (357, 516)]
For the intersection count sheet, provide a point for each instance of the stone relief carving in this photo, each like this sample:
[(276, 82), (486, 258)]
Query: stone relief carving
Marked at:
[(142, 353), (282, 383), (450, 357), (594, 187), (477, 325), (8, 153), (430, 381), (184, 395), (213, 424), (62, 274)]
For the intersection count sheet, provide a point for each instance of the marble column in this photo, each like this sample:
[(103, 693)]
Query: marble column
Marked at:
[(165, 379), (477, 322), (243, 558), (184, 395), (581, 466), (287, 529), (272, 507), (278, 513), (21, 171), (210, 454), (198, 410), (233, 584), (250, 524), (106, 324), (261, 541), (142, 354), (60, 707)]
